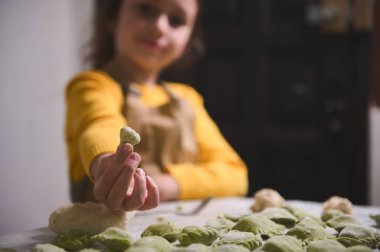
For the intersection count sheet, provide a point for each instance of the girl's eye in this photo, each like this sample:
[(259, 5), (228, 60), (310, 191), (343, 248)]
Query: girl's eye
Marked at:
[(176, 21), (146, 9)]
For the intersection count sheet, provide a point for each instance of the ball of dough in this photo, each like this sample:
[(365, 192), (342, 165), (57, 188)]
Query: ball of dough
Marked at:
[(90, 217), (128, 135), (337, 202), (265, 198)]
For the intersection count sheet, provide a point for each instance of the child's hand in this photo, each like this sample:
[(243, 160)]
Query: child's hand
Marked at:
[(120, 184)]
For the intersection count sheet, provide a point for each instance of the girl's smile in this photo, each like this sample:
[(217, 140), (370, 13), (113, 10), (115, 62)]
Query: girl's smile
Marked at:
[(153, 44)]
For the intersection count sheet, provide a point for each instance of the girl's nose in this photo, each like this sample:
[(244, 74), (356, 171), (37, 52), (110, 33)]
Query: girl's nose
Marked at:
[(161, 25)]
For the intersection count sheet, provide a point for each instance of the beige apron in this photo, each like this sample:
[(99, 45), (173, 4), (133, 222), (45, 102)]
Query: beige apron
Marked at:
[(167, 133)]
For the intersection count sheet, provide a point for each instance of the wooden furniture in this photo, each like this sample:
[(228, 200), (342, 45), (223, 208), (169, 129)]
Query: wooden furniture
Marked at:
[(290, 92)]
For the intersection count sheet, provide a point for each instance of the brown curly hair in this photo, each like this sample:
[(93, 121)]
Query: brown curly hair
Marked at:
[(101, 45)]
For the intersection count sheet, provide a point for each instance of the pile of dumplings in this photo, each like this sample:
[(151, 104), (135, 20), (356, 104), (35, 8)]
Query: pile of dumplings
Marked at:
[(272, 226)]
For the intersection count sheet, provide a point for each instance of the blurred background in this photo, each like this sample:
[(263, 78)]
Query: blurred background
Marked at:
[(293, 84)]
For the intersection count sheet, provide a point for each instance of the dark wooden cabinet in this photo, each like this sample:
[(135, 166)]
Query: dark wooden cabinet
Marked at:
[(291, 99)]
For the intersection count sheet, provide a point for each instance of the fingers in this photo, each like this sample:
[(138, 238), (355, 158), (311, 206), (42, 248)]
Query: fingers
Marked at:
[(111, 173), (145, 195), (153, 197), (139, 194), (121, 185), (118, 192)]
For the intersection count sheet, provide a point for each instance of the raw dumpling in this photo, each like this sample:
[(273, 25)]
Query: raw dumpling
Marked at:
[(221, 224), (280, 216), (325, 246), (309, 230), (235, 216), (129, 135), (90, 217), (283, 243), (336, 202), (329, 214), (115, 239), (258, 225), (196, 247), (265, 198), (376, 218), (359, 248), (141, 249), (13, 250), (301, 214), (359, 235), (230, 248), (245, 239), (156, 242), (195, 234), (73, 240), (166, 229), (341, 221)]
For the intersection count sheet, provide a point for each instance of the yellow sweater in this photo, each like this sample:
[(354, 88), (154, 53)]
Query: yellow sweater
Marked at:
[(94, 105)]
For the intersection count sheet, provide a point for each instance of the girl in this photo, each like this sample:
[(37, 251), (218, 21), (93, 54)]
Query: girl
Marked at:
[(182, 152)]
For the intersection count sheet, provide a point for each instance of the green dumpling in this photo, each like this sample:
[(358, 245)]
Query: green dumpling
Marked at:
[(280, 216), (230, 248), (359, 235), (195, 234), (129, 135), (115, 239), (359, 248), (43, 248), (13, 250), (341, 221), (195, 247), (309, 230), (73, 240), (221, 224), (301, 214), (329, 214), (245, 239), (283, 243), (325, 246), (376, 218), (156, 242), (141, 249), (166, 229), (258, 224), (235, 217)]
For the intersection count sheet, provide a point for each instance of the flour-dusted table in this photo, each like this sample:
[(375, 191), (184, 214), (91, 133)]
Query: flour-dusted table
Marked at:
[(24, 241)]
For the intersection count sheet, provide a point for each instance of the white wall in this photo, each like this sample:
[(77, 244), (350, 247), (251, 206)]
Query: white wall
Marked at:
[(39, 51), (374, 160)]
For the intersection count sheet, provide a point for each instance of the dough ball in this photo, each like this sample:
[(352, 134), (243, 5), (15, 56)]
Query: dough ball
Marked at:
[(129, 135), (337, 202), (265, 198), (90, 217)]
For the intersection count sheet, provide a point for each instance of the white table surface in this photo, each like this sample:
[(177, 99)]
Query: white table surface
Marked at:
[(23, 241)]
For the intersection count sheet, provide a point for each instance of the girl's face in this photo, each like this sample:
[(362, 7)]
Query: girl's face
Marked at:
[(154, 33)]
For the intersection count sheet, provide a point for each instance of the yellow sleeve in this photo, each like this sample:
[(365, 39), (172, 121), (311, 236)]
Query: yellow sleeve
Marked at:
[(219, 170), (93, 120)]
